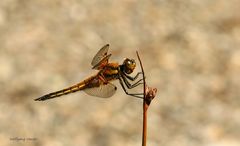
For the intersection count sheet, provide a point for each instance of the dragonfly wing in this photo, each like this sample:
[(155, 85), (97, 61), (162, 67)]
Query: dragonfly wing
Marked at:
[(102, 63), (104, 91), (102, 53)]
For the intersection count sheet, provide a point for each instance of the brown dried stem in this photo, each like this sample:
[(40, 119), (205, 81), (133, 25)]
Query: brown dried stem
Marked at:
[(149, 94)]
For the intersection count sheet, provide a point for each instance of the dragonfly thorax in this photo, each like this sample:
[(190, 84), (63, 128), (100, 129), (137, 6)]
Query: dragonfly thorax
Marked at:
[(128, 65)]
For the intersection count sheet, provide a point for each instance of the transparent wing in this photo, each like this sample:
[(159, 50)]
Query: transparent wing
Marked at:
[(103, 91), (102, 63), (102, 53)]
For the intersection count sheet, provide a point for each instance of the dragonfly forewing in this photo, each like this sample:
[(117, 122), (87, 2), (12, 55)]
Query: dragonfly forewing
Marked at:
[(102, 53)]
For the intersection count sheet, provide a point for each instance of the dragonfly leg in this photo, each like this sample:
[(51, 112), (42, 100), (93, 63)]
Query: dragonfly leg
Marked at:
[(130, 86), (131, 94), (132, 78)]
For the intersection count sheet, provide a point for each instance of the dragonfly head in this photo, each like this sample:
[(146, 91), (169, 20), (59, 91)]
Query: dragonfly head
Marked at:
[(129, 65)]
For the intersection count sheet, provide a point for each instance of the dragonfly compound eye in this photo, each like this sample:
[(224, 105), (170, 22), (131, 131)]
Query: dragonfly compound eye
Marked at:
[(129, 65)]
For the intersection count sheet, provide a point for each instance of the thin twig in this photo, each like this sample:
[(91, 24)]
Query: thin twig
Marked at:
[(144, 132), (149, 93)]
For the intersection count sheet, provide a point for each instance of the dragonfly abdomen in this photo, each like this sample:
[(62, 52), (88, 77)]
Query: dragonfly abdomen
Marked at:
[(80, 86)]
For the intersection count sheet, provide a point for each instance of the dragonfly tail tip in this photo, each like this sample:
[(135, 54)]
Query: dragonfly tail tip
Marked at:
[(38, 99)]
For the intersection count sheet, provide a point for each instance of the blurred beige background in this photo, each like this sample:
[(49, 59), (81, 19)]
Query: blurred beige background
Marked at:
[(190, 51)]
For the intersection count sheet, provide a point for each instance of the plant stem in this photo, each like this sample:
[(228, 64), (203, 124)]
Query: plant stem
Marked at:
[(145, 106)]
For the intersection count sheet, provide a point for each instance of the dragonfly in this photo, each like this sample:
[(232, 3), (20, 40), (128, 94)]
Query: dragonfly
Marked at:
[(100, 85)]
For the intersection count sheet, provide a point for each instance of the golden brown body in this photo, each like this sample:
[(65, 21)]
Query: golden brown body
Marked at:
[(99, 85), (108, 73)]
